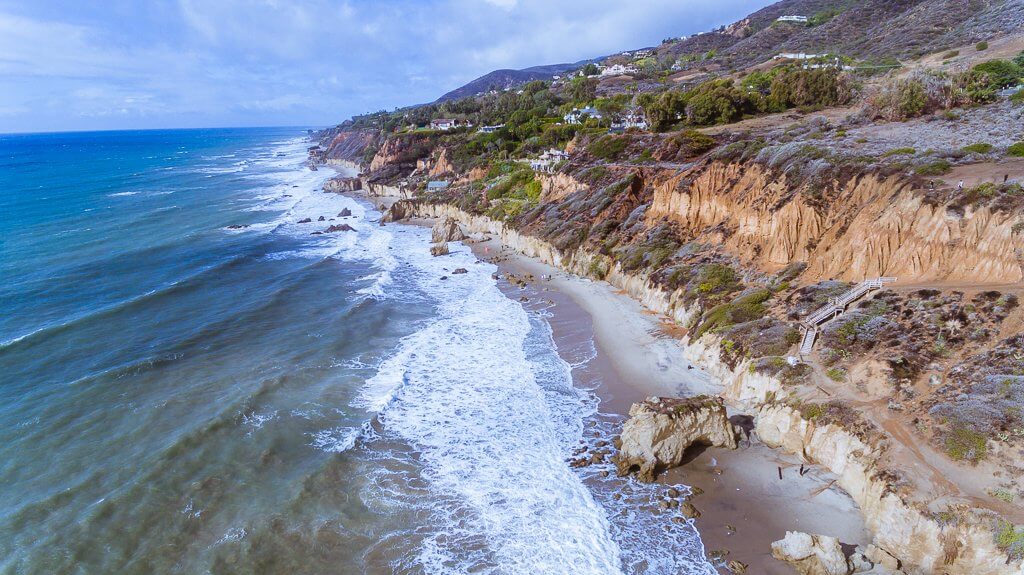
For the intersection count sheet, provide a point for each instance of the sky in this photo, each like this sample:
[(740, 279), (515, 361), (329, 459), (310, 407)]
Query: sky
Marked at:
[(126, 64)]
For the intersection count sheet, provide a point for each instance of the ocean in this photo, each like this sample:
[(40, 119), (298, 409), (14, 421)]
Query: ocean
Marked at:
[(194, 382)]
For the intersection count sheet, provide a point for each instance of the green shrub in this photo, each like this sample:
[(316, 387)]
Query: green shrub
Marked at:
[(986, 191), (608, 147), (1003, 495), (900, 152), (1000, 73), (1016, 150), (1010, 540), (716, 278), (741, 310), (836, 374), (979, 148), (981, 46), (951, 54), (1018, 97), (693, 143), (812, 411), (532, 190), (935, 168), (963, 444), (823, 16)]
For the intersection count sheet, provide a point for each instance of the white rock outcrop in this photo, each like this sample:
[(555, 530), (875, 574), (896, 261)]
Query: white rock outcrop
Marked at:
[(660, 430), (446, 230), (812, 554)]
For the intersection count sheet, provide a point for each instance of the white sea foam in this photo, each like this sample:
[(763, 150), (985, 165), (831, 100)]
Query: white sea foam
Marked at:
[(122, 194), (494, 424)]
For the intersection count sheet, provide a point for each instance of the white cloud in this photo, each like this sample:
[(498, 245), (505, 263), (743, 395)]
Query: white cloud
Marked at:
[(253, 62)]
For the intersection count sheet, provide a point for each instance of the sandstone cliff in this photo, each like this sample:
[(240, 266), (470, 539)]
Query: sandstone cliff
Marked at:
[(873, 227)]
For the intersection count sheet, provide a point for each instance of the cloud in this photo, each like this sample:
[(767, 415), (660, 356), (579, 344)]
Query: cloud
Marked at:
[(122, 64)]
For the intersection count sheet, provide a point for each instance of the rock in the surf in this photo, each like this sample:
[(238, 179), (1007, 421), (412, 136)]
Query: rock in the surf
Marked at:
[(339, 228), (812, 554), (660, 430), (447, 230), (440, 249), (342, 185)]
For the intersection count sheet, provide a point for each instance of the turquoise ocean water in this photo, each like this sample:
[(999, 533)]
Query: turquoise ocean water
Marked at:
[(193, 382)]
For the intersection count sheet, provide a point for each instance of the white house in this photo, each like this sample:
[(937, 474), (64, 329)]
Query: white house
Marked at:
[(618, 70), (437, 186), (578, 116), (633, 119), (491, 129), (798, 56), (444, 124), (798, 19), (547, 161)]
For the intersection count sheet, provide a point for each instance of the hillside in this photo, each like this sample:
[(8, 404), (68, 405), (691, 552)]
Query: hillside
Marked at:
[(746, 192), (504, 79)]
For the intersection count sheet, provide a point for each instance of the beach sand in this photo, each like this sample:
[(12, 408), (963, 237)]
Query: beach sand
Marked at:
[(744, 506)]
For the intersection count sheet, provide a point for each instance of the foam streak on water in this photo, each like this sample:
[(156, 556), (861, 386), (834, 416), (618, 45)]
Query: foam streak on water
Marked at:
[(464, 393)]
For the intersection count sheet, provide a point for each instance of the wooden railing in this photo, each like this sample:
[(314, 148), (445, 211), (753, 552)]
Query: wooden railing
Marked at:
[(834, 308)]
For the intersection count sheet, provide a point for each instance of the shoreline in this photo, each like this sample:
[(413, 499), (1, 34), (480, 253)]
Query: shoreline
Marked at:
[(744, 505)]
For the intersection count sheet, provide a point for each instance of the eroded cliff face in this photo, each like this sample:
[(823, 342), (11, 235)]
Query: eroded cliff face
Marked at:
[(958, 543), (348, 145), (875, 226), (556, 187)]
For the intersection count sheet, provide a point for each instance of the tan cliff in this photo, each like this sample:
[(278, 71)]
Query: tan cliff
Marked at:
[(875, 227)]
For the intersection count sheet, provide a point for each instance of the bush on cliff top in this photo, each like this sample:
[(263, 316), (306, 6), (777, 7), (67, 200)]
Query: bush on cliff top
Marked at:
[(963, 444), (743, 309), (608, 147)]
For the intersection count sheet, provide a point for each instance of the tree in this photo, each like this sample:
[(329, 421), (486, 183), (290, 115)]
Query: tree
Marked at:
[(717, 102), (1000, 73), (590, 69)]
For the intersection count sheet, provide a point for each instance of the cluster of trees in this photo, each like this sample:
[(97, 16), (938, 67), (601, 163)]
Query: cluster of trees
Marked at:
[(721, 101), (924, 92)]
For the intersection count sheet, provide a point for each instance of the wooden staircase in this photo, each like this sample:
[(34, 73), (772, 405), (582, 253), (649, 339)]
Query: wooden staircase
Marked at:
[(835, 308)]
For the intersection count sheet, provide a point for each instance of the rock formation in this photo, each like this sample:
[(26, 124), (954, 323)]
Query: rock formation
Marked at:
[(812, 554), (447, 230), (343, 185), (440, 249), (339, 228), (660, 430)]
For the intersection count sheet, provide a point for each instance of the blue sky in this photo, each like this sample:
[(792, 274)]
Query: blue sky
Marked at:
[(113, 64)]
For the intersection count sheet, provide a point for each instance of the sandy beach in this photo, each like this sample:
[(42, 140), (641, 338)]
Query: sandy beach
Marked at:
[(744, 506)]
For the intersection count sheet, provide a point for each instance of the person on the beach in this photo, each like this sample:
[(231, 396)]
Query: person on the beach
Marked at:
[(960, 186)]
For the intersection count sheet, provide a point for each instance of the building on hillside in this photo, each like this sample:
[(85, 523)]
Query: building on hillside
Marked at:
[(444, 124), (797, 19), (632, 120), (618, 70), (798, 56), (548, 160), (578, 116), (491, 129), (437, 186)]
